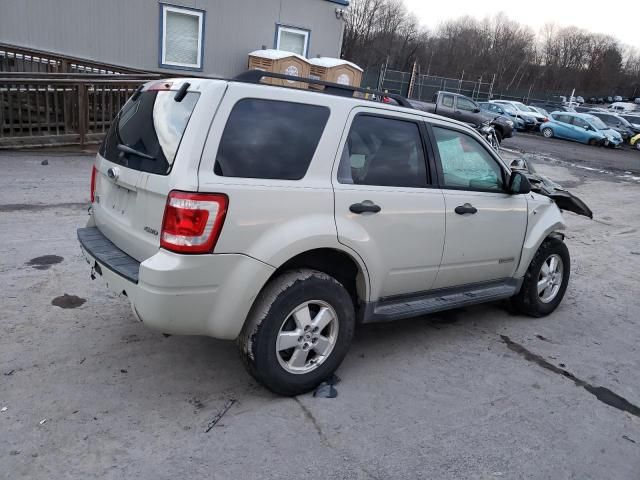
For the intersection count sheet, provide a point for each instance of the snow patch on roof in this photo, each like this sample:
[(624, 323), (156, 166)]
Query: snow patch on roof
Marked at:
[(273, 54), (328, 62)]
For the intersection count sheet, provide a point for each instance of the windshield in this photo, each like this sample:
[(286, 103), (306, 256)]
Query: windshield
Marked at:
[(145, 135), (521, 106), (596, 122), (624, 121)]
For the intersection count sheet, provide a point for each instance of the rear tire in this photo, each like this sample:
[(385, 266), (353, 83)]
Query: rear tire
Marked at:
[(637, 145), (282, 316), (547, 132), (593, 142), (533, 301)]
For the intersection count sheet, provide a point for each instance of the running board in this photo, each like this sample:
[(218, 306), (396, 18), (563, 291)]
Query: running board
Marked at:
[(397, 308)]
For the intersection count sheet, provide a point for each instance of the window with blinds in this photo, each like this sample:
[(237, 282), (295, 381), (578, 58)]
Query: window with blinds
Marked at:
[(181, 42), (293, 40)]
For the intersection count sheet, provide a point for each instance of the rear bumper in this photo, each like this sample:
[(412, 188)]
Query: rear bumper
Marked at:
[(180, 294)]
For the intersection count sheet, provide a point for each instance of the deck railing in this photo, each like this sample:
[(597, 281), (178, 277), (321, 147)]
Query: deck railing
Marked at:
[(50, 109)]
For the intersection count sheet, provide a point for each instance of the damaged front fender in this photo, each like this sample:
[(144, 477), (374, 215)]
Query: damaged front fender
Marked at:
[(545, 186)]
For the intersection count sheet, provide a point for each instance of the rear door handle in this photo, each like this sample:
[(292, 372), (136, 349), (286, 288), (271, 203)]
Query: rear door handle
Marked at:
[(466, 208), (366, 206)]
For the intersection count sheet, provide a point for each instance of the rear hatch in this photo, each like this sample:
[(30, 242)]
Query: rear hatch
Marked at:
[(134, 166)]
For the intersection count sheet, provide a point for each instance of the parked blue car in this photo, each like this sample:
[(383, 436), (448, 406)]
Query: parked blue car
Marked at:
[(580, 127), (509, 111)]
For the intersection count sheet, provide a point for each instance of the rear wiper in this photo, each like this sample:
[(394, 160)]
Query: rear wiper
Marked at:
[(133, 151)]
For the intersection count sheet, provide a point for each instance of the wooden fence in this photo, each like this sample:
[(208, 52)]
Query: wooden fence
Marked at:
[(20, 59), (41, 110), (49, 99)]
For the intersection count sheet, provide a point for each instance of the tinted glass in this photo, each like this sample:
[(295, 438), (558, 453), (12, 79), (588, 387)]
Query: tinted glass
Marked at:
[(596, 122), (447, 101), (270, 139), (632, 118), (153, 125), (509, 108), (466, 163), (607, 119), (384, 152), (562, 118), (464, 104), (578, 122)]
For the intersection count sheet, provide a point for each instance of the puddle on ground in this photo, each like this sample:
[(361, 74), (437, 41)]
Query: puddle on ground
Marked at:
[(601, 393), (68, 301), (44, 262)]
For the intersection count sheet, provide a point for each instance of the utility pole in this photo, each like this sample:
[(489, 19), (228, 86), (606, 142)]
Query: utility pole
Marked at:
[(412, 80), (491, 87)]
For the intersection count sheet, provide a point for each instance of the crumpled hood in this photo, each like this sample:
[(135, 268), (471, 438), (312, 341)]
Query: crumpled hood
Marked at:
[(612, 135), (547, 187)]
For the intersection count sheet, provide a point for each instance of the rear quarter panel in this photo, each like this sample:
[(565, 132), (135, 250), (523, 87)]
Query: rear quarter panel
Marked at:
[(275, 220)]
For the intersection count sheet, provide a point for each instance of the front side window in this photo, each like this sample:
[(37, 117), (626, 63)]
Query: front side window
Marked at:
[(466, 164), (270, 139), (384, 152), (181, 37), (467, 105), (578, 122), (290, 39), (509, 108)]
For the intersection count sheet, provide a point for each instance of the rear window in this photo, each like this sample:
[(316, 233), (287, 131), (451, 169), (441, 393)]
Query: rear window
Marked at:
[(146, 134), (270, 139)]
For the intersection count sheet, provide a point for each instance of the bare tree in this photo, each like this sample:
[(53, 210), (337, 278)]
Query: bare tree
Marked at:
[(556, 59)]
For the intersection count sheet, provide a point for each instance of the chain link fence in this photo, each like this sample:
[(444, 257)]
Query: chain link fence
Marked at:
[(422, 87)]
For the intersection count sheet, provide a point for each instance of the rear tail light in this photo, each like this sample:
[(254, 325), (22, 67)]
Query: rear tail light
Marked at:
[(93, 183), (192, 221)]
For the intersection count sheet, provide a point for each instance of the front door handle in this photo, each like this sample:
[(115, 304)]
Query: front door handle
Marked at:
[(466, 208), (366, 206)]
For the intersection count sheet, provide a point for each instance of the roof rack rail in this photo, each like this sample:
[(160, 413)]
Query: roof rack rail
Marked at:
[(255, 76)]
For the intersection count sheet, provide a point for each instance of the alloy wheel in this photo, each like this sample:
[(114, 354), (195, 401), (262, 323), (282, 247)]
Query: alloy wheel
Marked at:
[(307, 337)]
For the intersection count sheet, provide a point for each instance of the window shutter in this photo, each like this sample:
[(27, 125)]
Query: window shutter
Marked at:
[(181, 38)]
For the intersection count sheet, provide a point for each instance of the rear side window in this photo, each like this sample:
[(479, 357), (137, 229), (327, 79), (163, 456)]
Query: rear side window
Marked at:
[(447, 101), (384, 152), (270, 139), (152, 126)]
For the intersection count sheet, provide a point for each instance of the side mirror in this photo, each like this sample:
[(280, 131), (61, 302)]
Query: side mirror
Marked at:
[(519, 184), (476, 110)]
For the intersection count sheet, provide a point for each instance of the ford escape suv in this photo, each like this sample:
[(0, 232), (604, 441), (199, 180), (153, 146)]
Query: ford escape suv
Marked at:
[(281, 217)]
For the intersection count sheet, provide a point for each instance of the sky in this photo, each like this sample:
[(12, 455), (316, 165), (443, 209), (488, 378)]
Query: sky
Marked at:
[(620, 19)]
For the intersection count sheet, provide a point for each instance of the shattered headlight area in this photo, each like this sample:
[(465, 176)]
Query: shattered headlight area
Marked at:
[(564, 199)]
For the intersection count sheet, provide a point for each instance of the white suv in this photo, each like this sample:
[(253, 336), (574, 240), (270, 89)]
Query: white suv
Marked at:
[(282, 217)]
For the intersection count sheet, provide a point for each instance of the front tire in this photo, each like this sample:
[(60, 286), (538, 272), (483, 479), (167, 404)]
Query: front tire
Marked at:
[(546, 280), (547, 132), (298, 331)]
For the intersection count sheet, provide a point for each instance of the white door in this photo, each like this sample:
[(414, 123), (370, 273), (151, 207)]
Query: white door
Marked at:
[(386, 209), (486, 225)]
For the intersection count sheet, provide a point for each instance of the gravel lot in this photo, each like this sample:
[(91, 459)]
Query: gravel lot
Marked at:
[(476, 393)]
